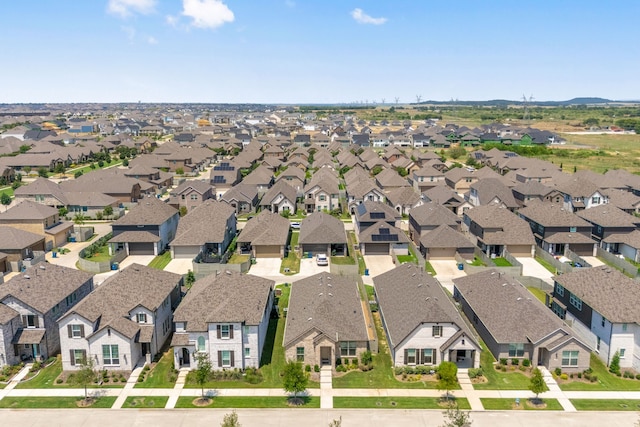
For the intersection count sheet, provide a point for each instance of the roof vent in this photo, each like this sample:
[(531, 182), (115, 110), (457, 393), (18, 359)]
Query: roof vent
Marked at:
[(519, 299), (413, 275), (26, 276), (228, 272), (419, 285), (309, 319), (504, 284), (427, 298), (42, 267), (329, 284), (320, 294), (330, 294)]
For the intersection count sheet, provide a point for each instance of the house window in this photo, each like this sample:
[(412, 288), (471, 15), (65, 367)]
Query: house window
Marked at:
[(30, 321), (76, 331), (624, 327), (110, 355), (603, 321), (599, 230), (560, 290), (570, 358), (436, 331), (598, 344), (300, 354), (347, 348), (226, 358), (595, 200), (411, 356), (516, 349), (246, 330), (559, 311), (224, 332), (575, 301), (322, 198), (247, 352), (71, 299), (141, 318), (194, 197), (427, 356), (200, 343), (573, 229), (621, 352), (183, 197), (78, 357)]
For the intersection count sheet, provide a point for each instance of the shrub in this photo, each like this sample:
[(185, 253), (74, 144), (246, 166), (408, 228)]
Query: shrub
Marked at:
[(571, 376), (557, 371), (618, 374), (78, 174), (475, 372), (100, 163), (307, 368), (614, 367), (338, 361), (503, 361), (579, 374), (628, 374), (594, 378), (638, 376), (123, 380), (503, 368), (526, 363), (316, 368), (515, 362), (564, 376), (341, 368), (366, 357), (398, 370), (522, 368), (59, 381)]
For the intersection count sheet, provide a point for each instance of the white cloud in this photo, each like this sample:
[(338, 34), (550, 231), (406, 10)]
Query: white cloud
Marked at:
[(362, 18), (125, 8), (207, 13), (152, 40)]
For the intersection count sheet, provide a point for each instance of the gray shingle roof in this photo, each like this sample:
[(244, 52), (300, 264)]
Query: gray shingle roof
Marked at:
[(206, 223), (28, 210), (44, 285), (366, 236), (15, 239), (280, 187), (512, 230), (409, 297), (327, 303), (225, 297), (490, 188), (320, 227), (364, 210), (196, 185), (135, 237), (434, 214), (148, 211), (266, 228), (608, 216), (552, 215), (403, 196), (6, 314), (445, 237)]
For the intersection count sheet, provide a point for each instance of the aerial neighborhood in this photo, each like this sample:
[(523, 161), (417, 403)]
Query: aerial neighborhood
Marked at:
[(178, 237)]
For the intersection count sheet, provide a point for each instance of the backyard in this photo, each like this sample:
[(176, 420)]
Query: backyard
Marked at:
[(291, 264)]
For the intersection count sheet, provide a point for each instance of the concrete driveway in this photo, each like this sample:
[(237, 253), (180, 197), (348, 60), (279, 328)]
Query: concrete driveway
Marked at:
[(179, 266), (266, 267), (595, 262), (377, 264), (531, 267), (70, 258), (309, 267), (446, 271)]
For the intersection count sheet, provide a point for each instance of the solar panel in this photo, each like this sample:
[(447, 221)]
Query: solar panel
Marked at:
[(219, 179), (384, 231)]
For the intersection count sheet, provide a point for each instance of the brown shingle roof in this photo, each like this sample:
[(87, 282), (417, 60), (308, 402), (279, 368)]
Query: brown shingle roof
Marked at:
[(148, 211), (15, 239), (608, 216), (512, 230), (28, 210), (135, 237), (319, 228), (434, 214), (445, 237), (206, 223), (266, 228), (552, 215)]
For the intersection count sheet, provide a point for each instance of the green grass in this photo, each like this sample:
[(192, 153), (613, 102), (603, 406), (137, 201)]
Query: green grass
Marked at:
[(86, 169), (238, 259), (161, 261), (546, 265), (52, 402), (162, 375), (477, 262), (410, 257), (382, 375), (513, 380), (145, 402), (507, 404), (292, 262), (342, 260), (395, 403), (102, 255), (606, 404), (538, 293), (45, 378), (371, 292), (429, 269), (606, 380), (501, 262), (7, 190), (248, 402)]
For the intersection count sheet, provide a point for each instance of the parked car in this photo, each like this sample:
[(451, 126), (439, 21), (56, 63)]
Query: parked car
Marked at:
[(295, 225), (322, 260)]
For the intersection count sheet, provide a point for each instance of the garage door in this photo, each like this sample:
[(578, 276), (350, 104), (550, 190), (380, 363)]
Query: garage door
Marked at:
[(582, 249), (376, 249), (267, 251), (140, 248), (187, 252), (441, 253), (519, 250), (315, 249)]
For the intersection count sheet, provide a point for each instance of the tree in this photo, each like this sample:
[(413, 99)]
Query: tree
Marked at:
[(86, 375), (457, 152), (79, 219), (447, 377), (125, 162), (190, 279), (295, 379), (24, 148), (614, 366), (454, 417), (77, 174), (59, 168), (27, 169), (179, 171), (537, 384), (231, 420), (182, 211), (5, 199), (43, 173), (107, 211), (376, 170), (402, 171), (203, 371), (62, 212)]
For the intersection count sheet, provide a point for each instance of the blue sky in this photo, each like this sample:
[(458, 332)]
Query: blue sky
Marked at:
[(317, 51)]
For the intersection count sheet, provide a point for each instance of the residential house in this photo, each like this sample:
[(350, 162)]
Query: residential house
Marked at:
[(602, 305), (147, 229), (266, 235), (243, 198), (362, 189), (445, 242), (370, 212), (191, 193), (492, 191), (322, 192), (558, 230), (17, 245), (223, 176), (111, 182), (261, 177), (389, 180), (123, 323), (447, 197), (608, 224), (514, 324), (404, 199), (383, 239), (325, 321), (39, 219), (421, 323), (323, 233), (226, 316), (460, 179), (280, 198), (40, 295), (524, 193), (205, 232), (295, 177), (428, 217), (581, 194), (496, 229), (426, 178), (624, 200)]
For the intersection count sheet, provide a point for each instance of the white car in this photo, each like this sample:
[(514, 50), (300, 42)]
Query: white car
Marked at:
[(322, 260)]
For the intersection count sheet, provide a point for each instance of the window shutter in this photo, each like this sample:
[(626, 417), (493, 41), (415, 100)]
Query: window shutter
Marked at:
[(82, 331), (406, 356), (24, 320), (72, 358), (419, 352), (231, 335), (84, 356), (232, 359), (219, 356), (36, 321), (218, 331), (69, 331)]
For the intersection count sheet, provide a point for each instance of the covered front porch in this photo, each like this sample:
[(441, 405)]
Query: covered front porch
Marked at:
[(28, 344)]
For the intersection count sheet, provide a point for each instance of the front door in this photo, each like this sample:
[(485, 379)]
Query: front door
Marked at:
[(146, 348), (185, 356), (325, 355), (35, 350)]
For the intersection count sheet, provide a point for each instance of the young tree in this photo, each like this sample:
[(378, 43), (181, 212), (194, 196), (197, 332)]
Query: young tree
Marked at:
[(59, 168), (125, 162), (5, 199), (454, 417), (79, 219), (86, 375), (295, 379), (203, 370), (182, 211), (107, 211), (62, 212), (43, 173), (447, 377), (614, 366), (190, 279), (27, 169), (179, 171), (231, 420), (537, 384)]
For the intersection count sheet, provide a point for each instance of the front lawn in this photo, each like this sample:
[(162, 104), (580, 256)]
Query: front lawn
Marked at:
[(509, 404), (45, 378), (161, 261), (53, 402), (145, 402), (162, 375), (397, 402), (606, 404), (382, 375), (606, 380), (291, 264), (100, 255), (343, 260), (410, 257), (429, 269), (238, 259), (499, 380), (501, 262), (248, 402), (538, 293)]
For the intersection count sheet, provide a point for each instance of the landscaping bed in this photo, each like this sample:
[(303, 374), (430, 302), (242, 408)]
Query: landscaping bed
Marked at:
[(491, 404)]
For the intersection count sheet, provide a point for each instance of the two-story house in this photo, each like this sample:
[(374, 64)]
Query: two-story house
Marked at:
[(602, 304), (581, 194), (282, 197), (40, 295), (363, 189), (39, 219), (609, 225), (428, 217), (322, 192), (426, 178), (123, 323), (191, 193), (226, 316), (243, 198)]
